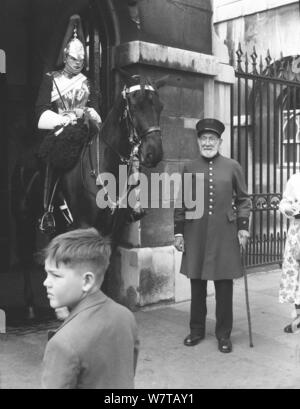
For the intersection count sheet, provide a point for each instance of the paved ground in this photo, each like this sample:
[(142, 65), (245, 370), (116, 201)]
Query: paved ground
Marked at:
[(166, 363)]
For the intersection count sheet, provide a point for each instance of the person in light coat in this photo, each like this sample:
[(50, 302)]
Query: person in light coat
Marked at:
[(289, 291)]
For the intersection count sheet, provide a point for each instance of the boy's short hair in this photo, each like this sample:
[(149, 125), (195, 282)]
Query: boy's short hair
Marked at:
[(80, 247)]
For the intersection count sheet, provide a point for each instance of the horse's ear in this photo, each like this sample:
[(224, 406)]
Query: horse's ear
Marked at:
[(125, 74), (161, 81)]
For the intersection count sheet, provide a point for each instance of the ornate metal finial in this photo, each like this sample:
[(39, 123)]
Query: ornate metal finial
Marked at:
[(261, 66), (254, 61), (239, 54), (268, 60), (275, 72), (281, 66), (246, 63)]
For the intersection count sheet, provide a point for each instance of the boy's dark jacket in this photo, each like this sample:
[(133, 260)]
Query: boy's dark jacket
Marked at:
[(95, 348)]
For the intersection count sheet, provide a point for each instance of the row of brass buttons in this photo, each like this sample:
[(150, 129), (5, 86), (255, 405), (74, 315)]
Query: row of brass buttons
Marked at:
[(210, 187)]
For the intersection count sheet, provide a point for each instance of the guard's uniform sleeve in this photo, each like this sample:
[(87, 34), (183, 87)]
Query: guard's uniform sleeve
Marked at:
[(61, 366), (43, 102), (242, 200), (179, 211)]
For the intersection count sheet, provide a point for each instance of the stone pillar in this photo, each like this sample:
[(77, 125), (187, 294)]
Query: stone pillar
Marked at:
[(198, 86)]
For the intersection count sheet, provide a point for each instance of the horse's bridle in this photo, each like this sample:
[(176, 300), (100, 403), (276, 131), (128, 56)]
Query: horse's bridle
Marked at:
[(135, 141), (134, 137)]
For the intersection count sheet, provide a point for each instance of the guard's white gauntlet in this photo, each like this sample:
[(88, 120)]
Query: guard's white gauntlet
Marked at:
[(94, 115)]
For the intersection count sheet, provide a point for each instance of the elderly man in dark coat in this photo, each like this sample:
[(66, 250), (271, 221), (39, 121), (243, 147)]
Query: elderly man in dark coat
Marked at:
[(211, 243)]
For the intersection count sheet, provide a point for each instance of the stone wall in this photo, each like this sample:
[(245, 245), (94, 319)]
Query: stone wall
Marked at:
[(274, 29)]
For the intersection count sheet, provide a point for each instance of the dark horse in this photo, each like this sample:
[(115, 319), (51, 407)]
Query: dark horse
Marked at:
[(131, 129)]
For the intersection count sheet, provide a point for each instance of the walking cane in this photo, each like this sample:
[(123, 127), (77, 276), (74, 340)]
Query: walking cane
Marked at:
[(247, 297)]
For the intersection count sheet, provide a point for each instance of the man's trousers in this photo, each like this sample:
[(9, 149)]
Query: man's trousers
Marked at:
[(224, 315)]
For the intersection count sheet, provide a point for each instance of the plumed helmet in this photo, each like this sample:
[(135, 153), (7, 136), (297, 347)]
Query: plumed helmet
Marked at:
[(73, 43), (75, 47)]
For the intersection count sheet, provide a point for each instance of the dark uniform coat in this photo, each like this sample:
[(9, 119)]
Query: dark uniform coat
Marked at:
[(212, 250)]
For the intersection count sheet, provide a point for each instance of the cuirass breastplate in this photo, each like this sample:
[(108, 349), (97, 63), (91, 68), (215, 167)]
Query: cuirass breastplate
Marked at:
[(74, 92)]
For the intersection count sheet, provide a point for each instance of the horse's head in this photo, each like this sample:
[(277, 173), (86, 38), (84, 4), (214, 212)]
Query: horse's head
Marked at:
[(143, 115)]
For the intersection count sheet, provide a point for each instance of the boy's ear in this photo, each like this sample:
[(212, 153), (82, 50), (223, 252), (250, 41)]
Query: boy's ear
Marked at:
[(89, 280)]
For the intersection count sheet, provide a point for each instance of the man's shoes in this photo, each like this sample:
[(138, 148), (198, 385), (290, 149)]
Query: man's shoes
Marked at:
[(192, 340), (293, 327), (225, 345)]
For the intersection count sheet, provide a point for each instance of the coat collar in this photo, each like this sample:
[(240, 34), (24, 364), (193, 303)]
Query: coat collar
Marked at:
[(89, 301), (210, 159)]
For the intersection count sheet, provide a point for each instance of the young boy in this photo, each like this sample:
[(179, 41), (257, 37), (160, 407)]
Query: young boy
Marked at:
[(96, 347)]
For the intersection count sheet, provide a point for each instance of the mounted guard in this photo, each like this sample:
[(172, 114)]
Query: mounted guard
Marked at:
[(63, 108), (76, 152)]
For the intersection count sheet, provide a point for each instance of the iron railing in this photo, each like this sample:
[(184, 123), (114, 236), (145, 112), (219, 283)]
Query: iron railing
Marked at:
[(265, 139)]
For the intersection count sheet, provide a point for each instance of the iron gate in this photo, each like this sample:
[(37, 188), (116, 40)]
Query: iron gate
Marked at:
[(265, 139)]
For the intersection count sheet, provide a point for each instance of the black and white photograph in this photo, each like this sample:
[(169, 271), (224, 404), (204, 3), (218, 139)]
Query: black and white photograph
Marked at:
[(150, 197)]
